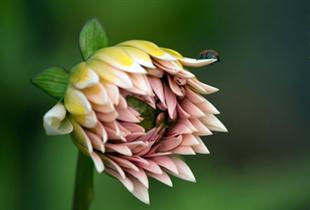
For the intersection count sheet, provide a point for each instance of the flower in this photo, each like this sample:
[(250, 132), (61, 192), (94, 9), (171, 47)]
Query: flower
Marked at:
[(101, 111)]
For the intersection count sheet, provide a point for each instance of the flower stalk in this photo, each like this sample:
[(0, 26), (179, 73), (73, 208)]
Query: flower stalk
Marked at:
[(83, 187)]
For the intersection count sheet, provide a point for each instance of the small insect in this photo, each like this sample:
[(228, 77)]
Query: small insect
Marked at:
[(207, 54)]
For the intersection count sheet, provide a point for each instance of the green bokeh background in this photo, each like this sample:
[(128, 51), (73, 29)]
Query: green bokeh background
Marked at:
[(262, 163)]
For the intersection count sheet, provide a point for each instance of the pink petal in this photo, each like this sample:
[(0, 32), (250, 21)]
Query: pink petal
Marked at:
[(124, 163), (201, 147), (127, 116), (169, 143), (171, 102), (207, 107), (104, 108), (163, 178), (132, 127), (151, 167), (191, 109), (140, 191), (158, 89), (184, 171), (175, 87), (140, 176), (119, 148), (202, 130), (166, 162), (124, 180), (181, 112), (113, 165), (189, 140), (213, 123), (107, 117), (183, 150), (96, 141), (193, 96), (155, 72)]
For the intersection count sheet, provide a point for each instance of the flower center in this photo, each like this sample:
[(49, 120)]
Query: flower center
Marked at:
[(146, 111)]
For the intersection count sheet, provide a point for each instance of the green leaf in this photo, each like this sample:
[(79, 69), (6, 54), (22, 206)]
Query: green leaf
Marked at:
[(52, 81), (92, 38)]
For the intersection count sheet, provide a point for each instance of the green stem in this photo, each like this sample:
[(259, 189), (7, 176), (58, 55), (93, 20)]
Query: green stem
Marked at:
[(83, 189)]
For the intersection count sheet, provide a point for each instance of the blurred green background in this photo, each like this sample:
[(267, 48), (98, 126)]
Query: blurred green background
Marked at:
[(262, 163)]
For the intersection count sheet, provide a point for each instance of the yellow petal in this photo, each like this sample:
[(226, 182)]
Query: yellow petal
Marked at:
[(173, 53), (97, 94), (76, 102), (87, 120), (110, 74), (116, 57), (149, 48), (83, 77), (139, 56)]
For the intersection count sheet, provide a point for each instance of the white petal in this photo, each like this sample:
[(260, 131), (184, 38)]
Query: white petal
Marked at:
[(197, 62), (184, 171), (55, 121), (97, 161)]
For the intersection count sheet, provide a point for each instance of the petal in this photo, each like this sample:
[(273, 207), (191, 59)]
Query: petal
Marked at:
[(87, 120), (98, 162), (111, 74), (96, 141), (202, 130), (113, 93), (191, 109), (141, 82), (171, 101), (207, 107), (184, 171), (197, 62), (166, 162), (124, 180), (81, 139), (117, 57), (175, 87), (76, 102), (139, 56), (213, 123), (82, 76), (140, 176), (173, 53), (151, 166), (119, 148), (140, 191), (201, 147), (55, 121), (149, 48), (163, 178), (107, 117), (189, 140), (97, 94), (200, 87), (158, 89), (124, 163), (106, 108), (184, 150), (170, 143)]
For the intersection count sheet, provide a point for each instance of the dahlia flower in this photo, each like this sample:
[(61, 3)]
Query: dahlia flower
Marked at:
[(108, 129), (134, 109)]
